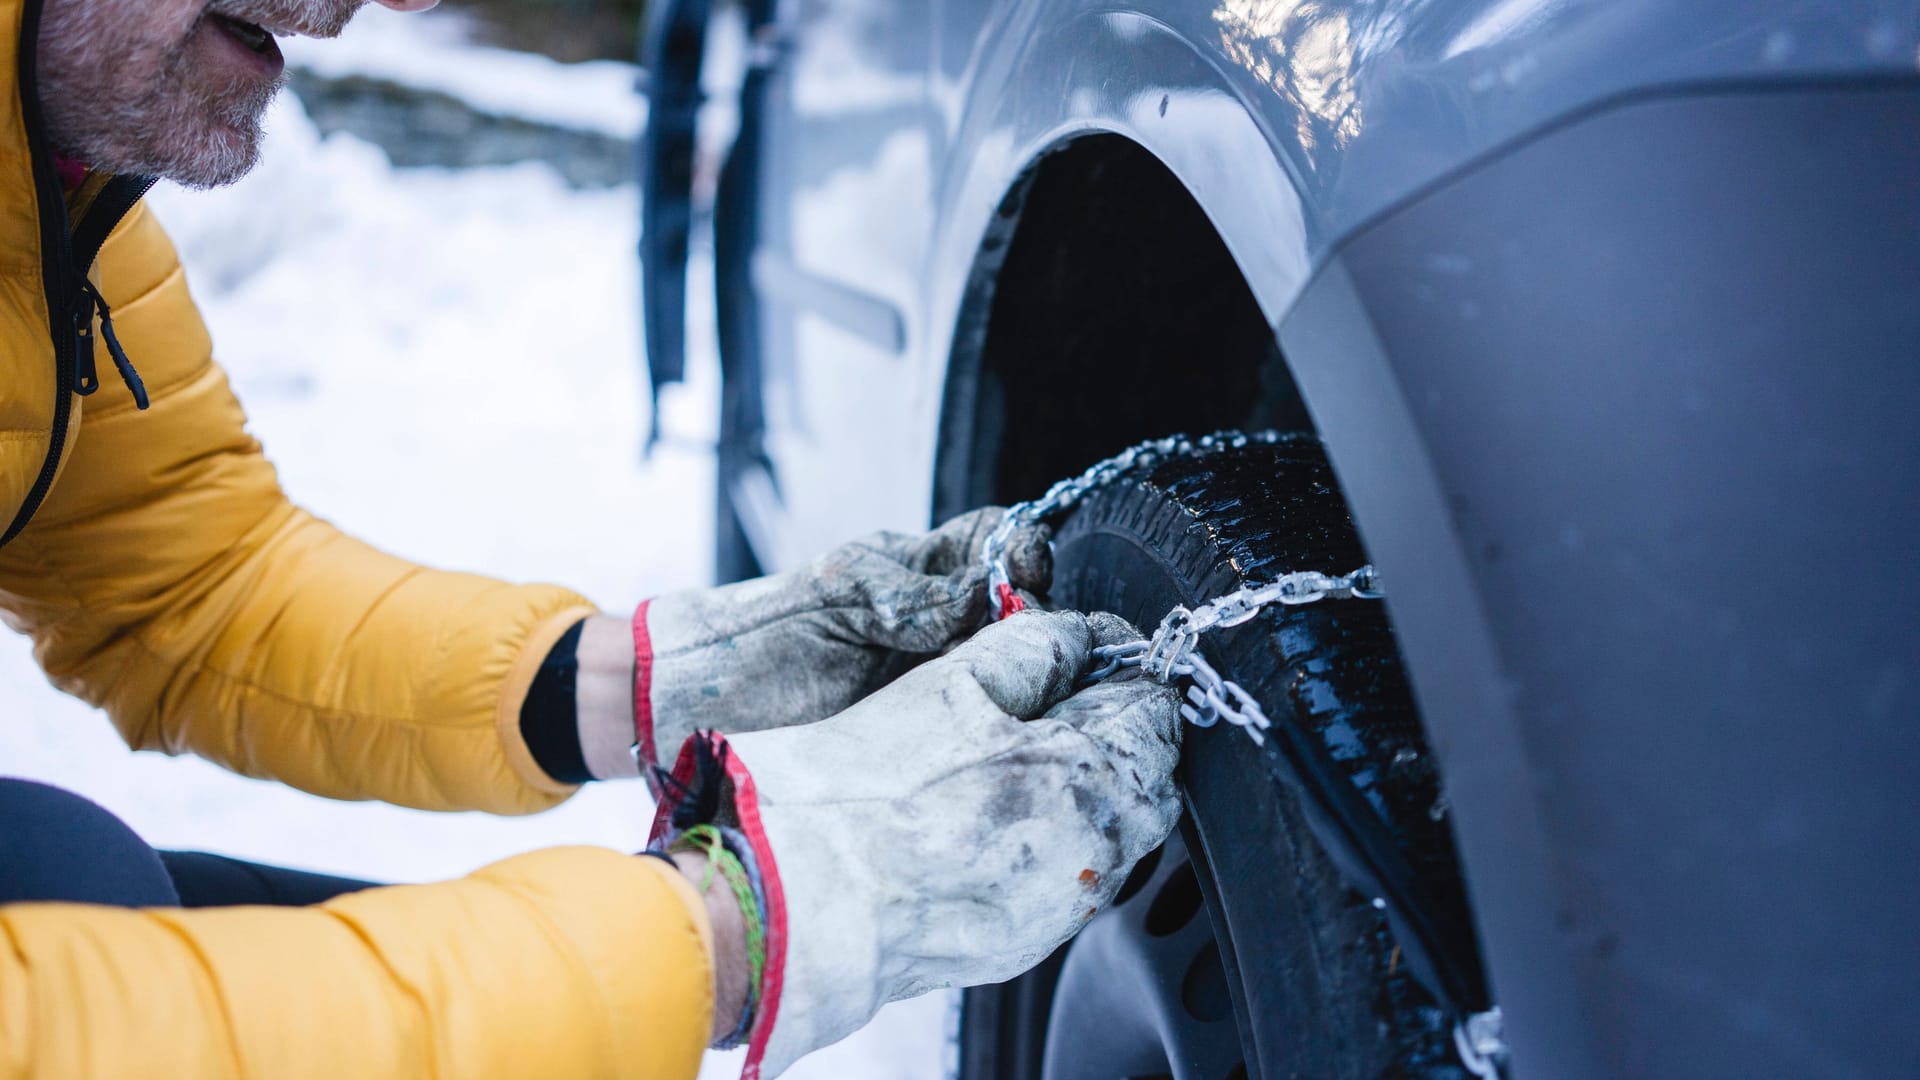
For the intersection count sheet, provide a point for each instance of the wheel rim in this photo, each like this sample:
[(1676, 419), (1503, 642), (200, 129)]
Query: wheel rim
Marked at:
[(1145, 990)]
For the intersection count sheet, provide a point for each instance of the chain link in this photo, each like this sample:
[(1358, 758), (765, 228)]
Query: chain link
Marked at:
[(1480, 1042), (1174, 650)]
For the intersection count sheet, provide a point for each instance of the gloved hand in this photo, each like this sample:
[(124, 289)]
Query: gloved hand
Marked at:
[(951, 830), (798, 647)]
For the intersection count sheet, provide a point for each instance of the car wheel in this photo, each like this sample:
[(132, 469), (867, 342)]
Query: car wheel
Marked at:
[(1252, 944)]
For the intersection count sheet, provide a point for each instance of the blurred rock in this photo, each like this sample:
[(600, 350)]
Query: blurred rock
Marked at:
[(418, 127)]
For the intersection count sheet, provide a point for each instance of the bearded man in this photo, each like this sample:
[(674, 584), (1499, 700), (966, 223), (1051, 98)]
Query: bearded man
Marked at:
[(854, 838)]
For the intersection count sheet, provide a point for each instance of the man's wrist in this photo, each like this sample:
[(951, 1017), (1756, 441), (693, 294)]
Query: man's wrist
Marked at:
[(731, 973), (603, 694), (549, 718)]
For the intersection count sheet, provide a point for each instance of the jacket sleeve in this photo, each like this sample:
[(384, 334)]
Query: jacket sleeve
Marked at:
[(169, 580), (571, 962)]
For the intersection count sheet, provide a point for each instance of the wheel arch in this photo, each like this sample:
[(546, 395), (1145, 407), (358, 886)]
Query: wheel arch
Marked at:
[(1099, 281)]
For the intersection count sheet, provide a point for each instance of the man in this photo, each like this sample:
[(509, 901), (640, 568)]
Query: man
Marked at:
[(854, 839)]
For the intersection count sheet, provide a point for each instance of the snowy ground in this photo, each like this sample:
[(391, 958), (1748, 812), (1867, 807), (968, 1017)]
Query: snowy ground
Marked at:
[(435, 53), (446, 364)]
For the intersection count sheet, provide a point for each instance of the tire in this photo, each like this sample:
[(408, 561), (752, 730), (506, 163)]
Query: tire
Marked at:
[(1293, 972)]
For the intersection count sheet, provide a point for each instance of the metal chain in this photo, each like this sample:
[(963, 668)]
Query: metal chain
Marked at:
[(1173, 652), (1139, 458), (1480, 1042)]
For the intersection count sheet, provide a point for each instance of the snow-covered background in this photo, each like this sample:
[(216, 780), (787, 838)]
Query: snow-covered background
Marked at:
[(447, 364)]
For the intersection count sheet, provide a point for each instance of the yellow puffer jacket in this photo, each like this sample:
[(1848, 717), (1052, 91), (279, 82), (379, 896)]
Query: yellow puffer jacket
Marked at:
[(166, 578)]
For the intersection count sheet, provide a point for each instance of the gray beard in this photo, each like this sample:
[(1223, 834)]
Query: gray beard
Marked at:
[(125, 104)]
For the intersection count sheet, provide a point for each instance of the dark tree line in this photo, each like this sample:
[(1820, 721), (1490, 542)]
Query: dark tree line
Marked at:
[(564, 29)]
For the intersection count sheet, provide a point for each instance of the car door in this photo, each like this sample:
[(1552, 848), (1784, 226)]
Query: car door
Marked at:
[(827, 305)]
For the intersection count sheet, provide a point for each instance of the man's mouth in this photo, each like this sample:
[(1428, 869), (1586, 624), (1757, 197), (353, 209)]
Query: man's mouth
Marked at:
[(252, 35)]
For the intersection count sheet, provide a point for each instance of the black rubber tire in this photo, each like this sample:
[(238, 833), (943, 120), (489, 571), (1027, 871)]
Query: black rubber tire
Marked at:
[(1313, 961)]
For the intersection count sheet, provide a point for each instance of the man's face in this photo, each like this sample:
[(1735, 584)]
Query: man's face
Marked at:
[(172, 88)]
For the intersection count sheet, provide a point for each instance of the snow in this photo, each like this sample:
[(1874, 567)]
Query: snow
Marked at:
[(436, 53), (447, 365)]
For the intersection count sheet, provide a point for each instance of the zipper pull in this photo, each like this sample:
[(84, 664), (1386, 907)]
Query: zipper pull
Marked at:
[(86, 378), (120, 361)]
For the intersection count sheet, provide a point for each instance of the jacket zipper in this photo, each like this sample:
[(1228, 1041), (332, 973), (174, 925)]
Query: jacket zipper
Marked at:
[(86, 378), (114, 203), (58, 254), (121, 195)]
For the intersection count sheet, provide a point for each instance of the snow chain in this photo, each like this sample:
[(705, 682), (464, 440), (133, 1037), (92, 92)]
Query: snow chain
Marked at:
[(1173, 652)]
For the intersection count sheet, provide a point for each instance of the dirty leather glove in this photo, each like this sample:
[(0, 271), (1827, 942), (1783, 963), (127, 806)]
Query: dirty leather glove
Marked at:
[(951, 830), (797, 647)]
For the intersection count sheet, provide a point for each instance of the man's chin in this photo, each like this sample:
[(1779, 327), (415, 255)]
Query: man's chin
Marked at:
[(216, 150), (229, 166), (204, 157)]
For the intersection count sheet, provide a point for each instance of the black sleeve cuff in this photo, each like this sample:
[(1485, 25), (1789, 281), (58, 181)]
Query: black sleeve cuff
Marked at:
[(549, 718)]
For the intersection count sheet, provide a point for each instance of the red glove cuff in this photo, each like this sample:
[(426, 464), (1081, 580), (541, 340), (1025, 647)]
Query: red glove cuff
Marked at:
[(709, 785), (643, 694)]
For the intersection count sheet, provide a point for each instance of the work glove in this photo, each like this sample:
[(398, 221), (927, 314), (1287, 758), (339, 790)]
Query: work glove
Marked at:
[(798, 647), (951, 830)]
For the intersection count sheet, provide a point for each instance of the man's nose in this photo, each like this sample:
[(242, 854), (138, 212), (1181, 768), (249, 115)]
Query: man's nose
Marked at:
[(407, 5)]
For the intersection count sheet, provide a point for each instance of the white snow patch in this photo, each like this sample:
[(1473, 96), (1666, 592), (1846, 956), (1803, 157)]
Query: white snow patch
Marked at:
[(434, 51)]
